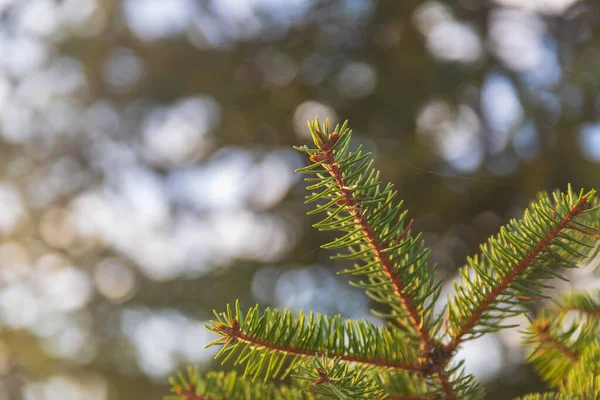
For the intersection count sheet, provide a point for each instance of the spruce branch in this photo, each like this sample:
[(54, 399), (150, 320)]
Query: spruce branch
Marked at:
[(455, 384), (583, 380), (549, 396), (393, 262), (585, 303), (451, 384), (406, 385), (447, 386), (514, 265), (554, 350), (334, 379), (273, 343), (412, 358), (561, 344), (191, 385), (546, 338)]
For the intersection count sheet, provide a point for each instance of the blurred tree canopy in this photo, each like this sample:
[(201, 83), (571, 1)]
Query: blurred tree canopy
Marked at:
[(147, 164)]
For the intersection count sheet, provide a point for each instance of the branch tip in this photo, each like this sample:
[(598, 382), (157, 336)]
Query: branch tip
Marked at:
[(517, 269)]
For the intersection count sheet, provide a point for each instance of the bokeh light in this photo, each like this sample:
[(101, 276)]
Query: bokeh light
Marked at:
[(147, 170)]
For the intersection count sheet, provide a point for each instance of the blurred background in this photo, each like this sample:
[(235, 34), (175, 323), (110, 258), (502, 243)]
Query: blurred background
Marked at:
[(147, 170)]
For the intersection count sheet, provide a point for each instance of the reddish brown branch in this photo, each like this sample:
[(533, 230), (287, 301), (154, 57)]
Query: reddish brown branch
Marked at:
[(375, 243), (323, 377), (405, 232), (377, 246), (447, 386), (234, 333), (516, 270)]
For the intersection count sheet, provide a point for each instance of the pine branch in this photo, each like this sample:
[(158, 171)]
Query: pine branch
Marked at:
[(549, 396), (191, 385), (583, 380), (452, 384), (456, 385), (447, 386), (585, 303), (406, 385), (557, 344), (274, 342), (552, 354), (545, 337), (334, 379), (412, 358), (513, 266), (394, 262)]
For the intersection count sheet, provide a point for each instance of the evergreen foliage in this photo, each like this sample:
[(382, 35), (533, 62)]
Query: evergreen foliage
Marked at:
[(413, 357)]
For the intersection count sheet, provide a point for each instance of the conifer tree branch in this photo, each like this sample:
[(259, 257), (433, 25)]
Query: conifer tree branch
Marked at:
[(413, 360), (545, 337), (518, 268), (377, 247), (446, 386), (585, 303), (191, 385), (589, 313), (403, 385), (233, 333), (332, 378), (557, 344), (328, 160), (583, 379), (550, 396), (273, 343)]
